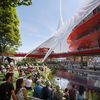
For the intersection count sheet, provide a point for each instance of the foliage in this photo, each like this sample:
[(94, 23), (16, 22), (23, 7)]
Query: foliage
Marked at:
[(29, 60), (9, 32), (50, 76), (14, 3), (45, 63), (20, 63), (53, 70), (1, 63)]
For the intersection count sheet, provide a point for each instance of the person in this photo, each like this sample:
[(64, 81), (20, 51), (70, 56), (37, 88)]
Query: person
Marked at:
[(47, 92), (9, 59), (72, 93), (37, 89), (80, 95), (21, 91), (7, 88), (66, 94), (57, 95), (28, 83)]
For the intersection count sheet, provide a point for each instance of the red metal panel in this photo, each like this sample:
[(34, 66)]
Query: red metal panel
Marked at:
[(85, 41), (85, 27)]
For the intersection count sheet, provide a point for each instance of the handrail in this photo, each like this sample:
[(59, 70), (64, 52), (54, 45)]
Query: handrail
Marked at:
[(33, 98), (83, 70)]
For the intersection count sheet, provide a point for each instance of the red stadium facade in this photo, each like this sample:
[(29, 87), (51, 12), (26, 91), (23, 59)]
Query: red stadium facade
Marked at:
[(86, 35)]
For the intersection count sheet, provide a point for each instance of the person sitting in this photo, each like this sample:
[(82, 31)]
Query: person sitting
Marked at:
[(66, 94), (37, 89), (72, 92), (7, 88), (21, 91), (47, 91), (28, 83), (57, 95)]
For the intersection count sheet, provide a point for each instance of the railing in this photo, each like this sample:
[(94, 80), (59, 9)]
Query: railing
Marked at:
[(86, 81), (93, 13), (33, 98), (97, 73)]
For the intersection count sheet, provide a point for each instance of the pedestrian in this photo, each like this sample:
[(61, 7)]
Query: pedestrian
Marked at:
[(21, 91), (7, 88)]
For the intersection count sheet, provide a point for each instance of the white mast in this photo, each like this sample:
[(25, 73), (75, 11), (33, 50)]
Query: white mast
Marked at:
[(61, 22)]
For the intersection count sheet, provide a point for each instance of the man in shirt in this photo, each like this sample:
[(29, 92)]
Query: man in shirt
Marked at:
[(37, 89), (7, 88), (72, 93)]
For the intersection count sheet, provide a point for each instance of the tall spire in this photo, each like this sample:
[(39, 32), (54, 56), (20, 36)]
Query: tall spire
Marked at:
[(61, 22)]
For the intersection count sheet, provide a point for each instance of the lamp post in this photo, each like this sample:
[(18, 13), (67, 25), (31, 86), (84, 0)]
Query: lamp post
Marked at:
[(2, 42), (2, 53)]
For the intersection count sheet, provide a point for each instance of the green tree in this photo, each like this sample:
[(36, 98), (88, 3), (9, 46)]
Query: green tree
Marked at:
[(9, 32), (14, 3)]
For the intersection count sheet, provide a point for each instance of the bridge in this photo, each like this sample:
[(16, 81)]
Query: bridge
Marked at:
[(58, 55)]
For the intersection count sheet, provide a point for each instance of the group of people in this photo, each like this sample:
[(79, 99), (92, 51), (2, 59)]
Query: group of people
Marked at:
[(8, 90), (46, 92), (39, 87), (72, 92)]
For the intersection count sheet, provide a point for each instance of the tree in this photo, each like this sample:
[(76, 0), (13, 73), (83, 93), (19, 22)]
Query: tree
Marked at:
[(14, 3), (9, 32)]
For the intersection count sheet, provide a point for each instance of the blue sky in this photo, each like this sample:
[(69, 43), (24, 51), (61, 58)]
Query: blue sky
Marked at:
[(39, 21)]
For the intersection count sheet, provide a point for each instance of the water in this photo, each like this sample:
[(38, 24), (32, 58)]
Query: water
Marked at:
[(63, 83)]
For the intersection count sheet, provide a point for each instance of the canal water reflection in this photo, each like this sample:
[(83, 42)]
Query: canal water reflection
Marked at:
[(63, 83)]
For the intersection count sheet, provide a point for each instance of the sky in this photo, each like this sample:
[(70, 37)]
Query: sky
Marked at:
[(39, 21)]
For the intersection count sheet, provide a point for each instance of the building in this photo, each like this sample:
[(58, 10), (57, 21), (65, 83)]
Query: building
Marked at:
[(86, 35)]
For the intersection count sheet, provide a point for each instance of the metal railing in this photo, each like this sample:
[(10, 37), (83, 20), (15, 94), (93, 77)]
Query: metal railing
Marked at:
[(33, 98)]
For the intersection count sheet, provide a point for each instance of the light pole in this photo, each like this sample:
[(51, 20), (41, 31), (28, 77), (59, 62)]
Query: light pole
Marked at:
[(2, 42)]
